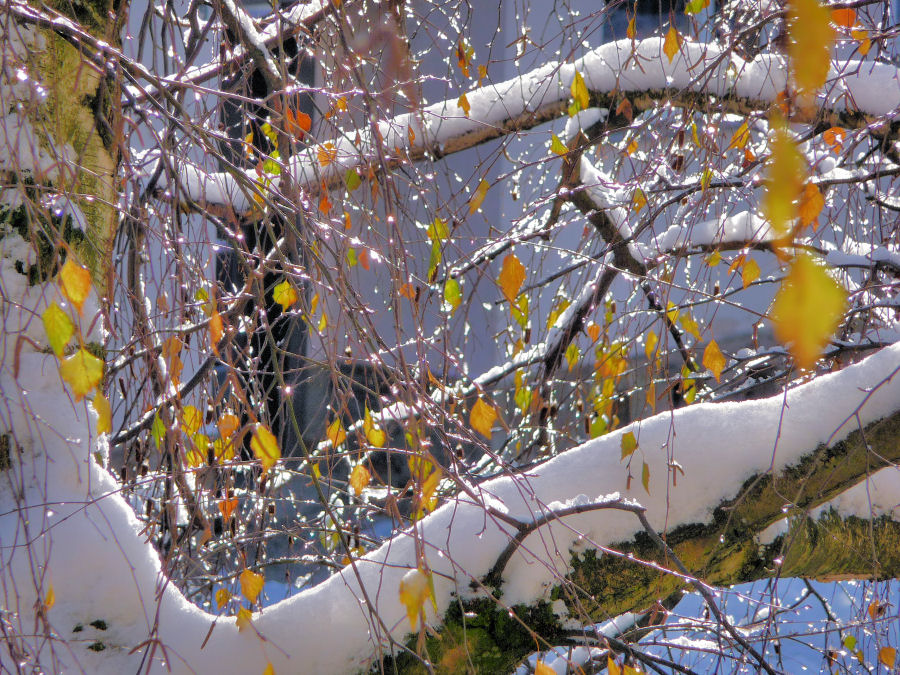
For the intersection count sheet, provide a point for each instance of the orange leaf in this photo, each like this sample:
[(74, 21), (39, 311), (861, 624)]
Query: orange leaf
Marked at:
[(512, 276), (482, 418), (887, 656), (630, 32), (359, 478), (228, 424), (834, 137), (298, 123), (227, 507), (672, 43), (593, 331), (714, 360), (541, 668), (327, 153), (811, 204), (862, 36), (216, 330), (324, 202), (75, 282), (845, 18)]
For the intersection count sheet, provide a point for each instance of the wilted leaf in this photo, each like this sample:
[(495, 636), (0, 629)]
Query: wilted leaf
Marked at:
[(352, 179), (251, 584), (511, 278), (478, 196), (59, 328), (482, 417), (672, 43), (714, 359), (75, 282), (629, 444), (359, 478), (631, 31), (104, 414), (82, 371), (228, 424), (50, 598), (265, 446), (226, 508), (298, 123), (336, 432), (463, 103), (807, 310), (223, 595), (216, 330)]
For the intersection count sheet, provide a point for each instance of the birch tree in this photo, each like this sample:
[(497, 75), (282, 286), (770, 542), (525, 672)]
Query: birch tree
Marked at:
[(436, 338)]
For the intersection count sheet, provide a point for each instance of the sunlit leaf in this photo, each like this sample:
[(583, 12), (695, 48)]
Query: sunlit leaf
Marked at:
[(452, 294), (50, 598), (638, 200), (75, 282), (223, 595), (845, 17), (740, 138), (807, 310), (672, 43), (650, 343), (270, 669), (191, 419), (695, 6), (834, 137), (511, 278), (690, 326), (749, 272), (557, 146), (784, 181), (244, 618), (713, 259), (714, 360), (645, 477), (227, 507), (104, 413), (612, 668), (216, 330), (629, 444), (811, 204), (414, 590), (326, 154), (265, 446), (336, 432), (463, 103), (82, 371), (360, 477), (632, 147), (375, 435), (631, 31), (298, 123), (157, 430), (809, 46), (593, 331), (573, 353), (251, 584), (478, 196), (482, 417), (865, 43), (580, 94), (59, 328), (352, 179), (324, 202), (541, 668)]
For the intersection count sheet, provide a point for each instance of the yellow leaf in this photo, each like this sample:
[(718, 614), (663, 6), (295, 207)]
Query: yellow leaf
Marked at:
[(784, 181), (414, 590), (285, 294), (478, 196), (690, 326), (573, 353), (807, 310), (749, 272), (631, 32), (429, 487), (75, 282), (251, 584), (223, 595), (216, 330), (269, 669), (629, 444), (482, 417), (557, 146), (887, 656), (714, 259), (862, 36), (580, 92), (714, 360), (632, 147), (82, 371), (512, 276), (811, 204), (612, 668), (672, 43), (104, 414), (645, 477), (452, 294), (171, 349), (463, 103), (809, 46), (638, 200), (50, 598), (244, 617), (650, 345), (740, 138), (265, 446), (359, 478), (335, 432), (191, 419), (326, 154), (374, 434), (59, 328), (541, 668)]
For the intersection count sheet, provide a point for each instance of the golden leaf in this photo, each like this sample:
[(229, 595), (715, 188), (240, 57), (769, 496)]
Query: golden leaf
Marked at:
[(629, 444), (191, 419), (714, 360), (265, 446), (104, 414), (512, 276), (452, 294), (414, 590), (216, 330), (638, 200), (541, 668), (82, 371), (251, 584), (244, 618), (557, 146), (740, 138), (285, 294), (645, 477), (580, 93), (482, 417), (335, 432), (59, 328), (50, 598), (75, 282), (887, 656), (463, 103), (862, 36), (269, 669), (784, 181), (749, 272), (650, 344), (809, 46), (632, 147), (359, 478), (223, 595), (612, 668), (374, 434), (807, 310), (811, 204), (672, 43), (326, 154), (630, 32), (478, 196)]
